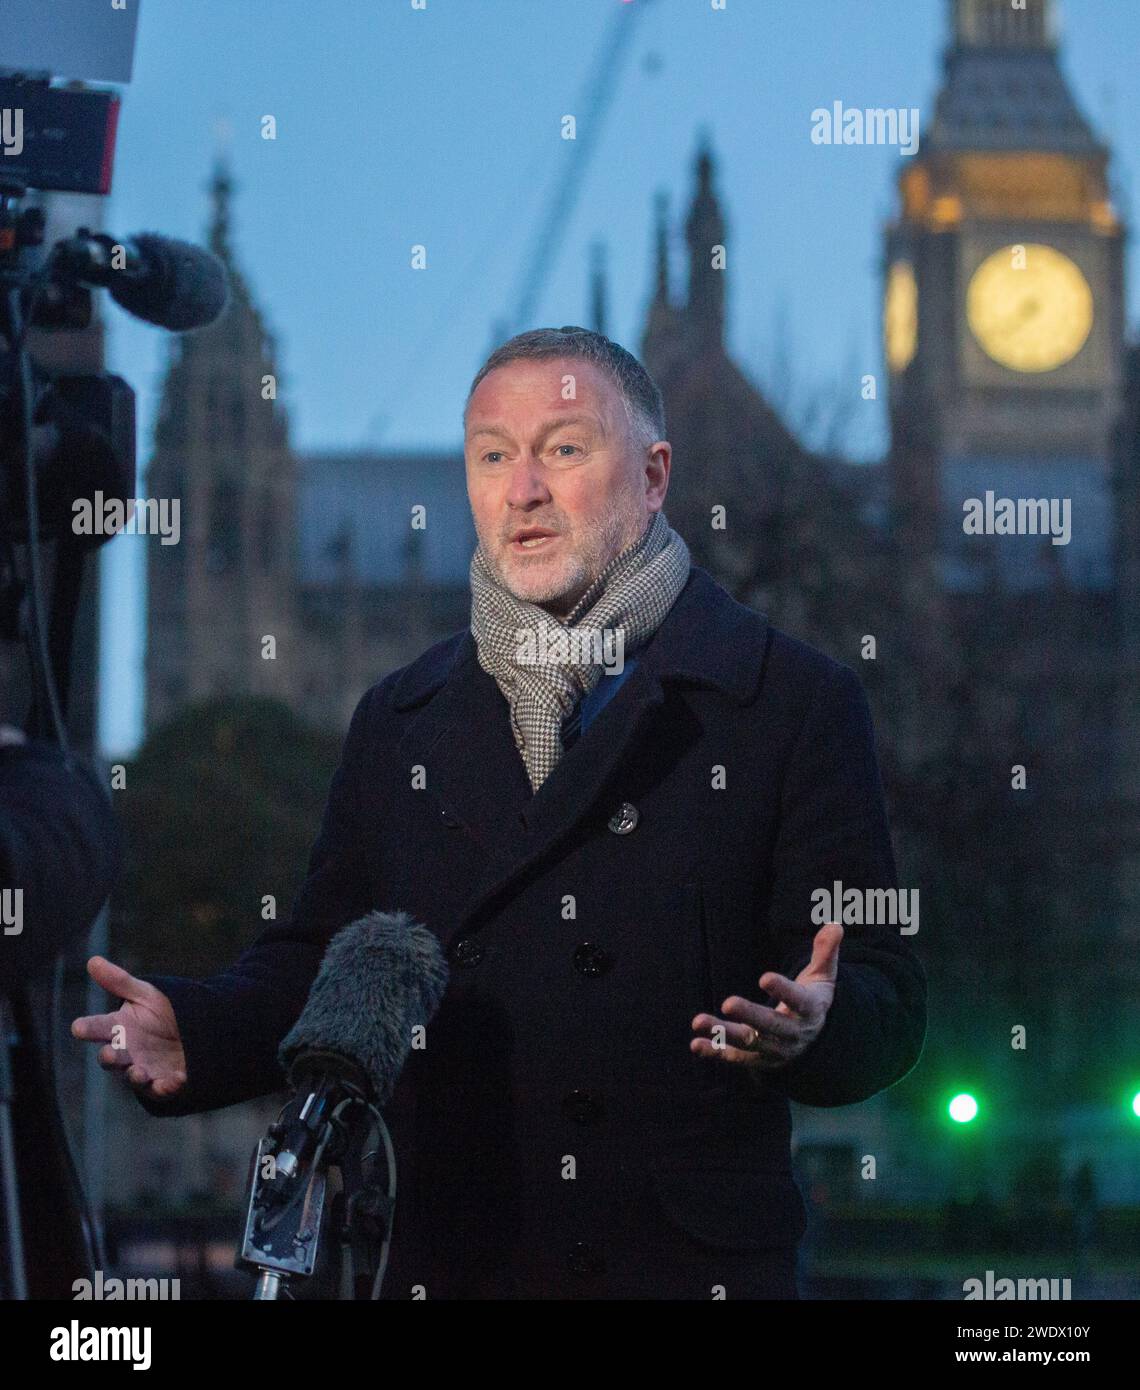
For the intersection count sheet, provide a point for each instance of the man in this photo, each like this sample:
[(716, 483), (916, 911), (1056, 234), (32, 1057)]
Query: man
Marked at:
[(620, 866)]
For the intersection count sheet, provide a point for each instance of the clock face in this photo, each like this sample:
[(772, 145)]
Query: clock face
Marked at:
[(900, 315), (1030, 307)]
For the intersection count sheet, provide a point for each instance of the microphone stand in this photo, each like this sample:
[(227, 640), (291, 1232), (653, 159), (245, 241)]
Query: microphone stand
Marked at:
[(333, 1122)]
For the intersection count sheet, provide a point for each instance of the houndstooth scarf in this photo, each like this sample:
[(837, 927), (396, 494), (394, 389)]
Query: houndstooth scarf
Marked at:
[(544, 665)]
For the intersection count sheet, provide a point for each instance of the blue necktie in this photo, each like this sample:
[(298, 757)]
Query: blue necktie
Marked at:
[(572, 725)]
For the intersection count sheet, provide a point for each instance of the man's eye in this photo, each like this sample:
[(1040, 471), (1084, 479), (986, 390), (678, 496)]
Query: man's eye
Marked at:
[(560, 447), (492, 456)]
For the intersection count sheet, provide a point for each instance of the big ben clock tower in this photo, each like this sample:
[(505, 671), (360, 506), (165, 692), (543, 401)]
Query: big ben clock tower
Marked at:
[(1003, 317)]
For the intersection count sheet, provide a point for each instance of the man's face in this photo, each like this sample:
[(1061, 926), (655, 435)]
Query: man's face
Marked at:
[(570, 468)]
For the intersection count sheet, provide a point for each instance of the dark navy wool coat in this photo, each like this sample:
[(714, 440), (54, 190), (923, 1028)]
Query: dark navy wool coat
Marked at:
[(557, 1137)]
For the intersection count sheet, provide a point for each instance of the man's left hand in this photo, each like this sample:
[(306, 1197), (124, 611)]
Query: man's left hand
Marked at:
[(752, 1035)]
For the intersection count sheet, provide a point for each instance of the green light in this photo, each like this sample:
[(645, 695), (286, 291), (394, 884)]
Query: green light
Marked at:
[(1136, 1104), (963, 1108)]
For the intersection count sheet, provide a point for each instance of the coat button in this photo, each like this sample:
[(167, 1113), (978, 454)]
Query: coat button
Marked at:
[(468, 951), (449, 818), (624, 818), (585, 1261), (591, 959), (582, 1107)]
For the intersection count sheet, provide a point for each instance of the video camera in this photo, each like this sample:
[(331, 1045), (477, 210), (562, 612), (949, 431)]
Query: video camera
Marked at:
[(65, 439)]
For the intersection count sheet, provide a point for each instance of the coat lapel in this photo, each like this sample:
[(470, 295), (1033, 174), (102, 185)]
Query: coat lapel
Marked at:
[(463, 739)]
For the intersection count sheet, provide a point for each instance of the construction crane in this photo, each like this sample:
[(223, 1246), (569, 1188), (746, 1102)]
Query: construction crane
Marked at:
[(593, 103)]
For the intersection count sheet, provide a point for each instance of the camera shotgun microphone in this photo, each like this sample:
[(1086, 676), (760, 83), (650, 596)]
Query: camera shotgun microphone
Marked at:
[(158, 279), (382, 979)]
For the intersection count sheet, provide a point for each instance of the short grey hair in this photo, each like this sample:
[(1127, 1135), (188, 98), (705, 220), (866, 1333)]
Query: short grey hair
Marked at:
[(644, 406)]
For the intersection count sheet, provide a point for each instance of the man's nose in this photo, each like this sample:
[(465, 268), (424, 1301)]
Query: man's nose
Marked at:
[(528, 482)]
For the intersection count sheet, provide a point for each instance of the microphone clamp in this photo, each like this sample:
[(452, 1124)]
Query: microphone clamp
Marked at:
[(328, 1125)]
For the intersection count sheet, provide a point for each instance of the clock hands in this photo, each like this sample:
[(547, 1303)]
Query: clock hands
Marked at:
[(1029, 308)]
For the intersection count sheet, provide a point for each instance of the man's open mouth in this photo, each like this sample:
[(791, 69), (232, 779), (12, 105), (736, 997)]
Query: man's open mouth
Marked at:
[(536, 540)]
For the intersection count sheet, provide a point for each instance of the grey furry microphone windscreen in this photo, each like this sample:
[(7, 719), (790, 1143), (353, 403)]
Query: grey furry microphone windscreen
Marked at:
[(381, 977), (178, 286)]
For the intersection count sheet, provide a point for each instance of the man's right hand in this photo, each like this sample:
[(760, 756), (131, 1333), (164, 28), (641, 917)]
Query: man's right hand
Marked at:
[(141, 1038)]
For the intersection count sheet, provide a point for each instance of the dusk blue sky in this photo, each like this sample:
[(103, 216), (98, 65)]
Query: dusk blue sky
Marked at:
[(442, 127)]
